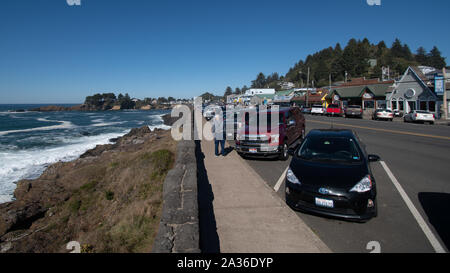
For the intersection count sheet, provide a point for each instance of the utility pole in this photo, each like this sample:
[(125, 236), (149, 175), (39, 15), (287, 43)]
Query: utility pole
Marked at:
[(329, 79), (445, 96), (307, 89)]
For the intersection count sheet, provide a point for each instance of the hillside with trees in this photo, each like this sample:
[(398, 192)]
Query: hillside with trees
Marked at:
[(354, 60)]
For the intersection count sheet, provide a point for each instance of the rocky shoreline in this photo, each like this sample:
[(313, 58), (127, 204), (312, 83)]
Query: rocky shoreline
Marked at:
[(109, 199)]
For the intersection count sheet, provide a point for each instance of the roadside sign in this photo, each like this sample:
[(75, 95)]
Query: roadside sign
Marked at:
[(439, 86)]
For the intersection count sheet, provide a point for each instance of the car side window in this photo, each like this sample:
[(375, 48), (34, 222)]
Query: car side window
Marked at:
[(291, 117)]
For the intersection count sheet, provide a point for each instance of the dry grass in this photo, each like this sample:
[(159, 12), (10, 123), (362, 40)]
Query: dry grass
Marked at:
[(116, 201)]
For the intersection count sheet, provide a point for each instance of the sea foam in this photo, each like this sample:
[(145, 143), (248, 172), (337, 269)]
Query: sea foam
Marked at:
[(29, 164)]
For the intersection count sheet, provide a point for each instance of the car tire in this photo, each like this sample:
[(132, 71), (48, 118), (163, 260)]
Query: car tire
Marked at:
[(284, 155)]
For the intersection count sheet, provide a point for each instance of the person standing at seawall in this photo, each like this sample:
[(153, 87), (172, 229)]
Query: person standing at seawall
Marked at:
[(219, 134)]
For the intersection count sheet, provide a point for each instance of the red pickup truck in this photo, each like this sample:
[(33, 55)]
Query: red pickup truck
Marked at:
[(254, 143), (335, 110)]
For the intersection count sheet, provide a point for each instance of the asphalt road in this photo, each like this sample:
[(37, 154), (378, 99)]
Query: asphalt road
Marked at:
[(419, 158)]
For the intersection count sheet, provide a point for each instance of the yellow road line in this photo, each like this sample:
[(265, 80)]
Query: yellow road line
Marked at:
[(381, 130)]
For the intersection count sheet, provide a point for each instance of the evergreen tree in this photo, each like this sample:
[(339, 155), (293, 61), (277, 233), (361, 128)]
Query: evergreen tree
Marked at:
[(435, 59), (228, 92), (421, 56), (397, 49), (260, 81)]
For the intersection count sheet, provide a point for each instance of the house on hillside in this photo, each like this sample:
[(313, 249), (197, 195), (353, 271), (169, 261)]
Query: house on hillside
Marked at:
[(414, 91)]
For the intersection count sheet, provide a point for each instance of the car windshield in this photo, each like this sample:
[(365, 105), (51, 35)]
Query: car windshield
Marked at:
[(333, 106), (329, 149), (422, 112), (254, 119), (354, 107)]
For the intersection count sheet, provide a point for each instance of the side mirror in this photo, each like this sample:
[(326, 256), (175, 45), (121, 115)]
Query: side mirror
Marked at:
[(374, 158)]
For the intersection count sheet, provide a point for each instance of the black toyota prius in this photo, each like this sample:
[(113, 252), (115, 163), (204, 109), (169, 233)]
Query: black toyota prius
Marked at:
[(330, 175)]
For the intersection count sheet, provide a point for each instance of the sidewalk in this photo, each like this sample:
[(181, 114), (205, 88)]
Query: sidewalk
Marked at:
[(249, 216)]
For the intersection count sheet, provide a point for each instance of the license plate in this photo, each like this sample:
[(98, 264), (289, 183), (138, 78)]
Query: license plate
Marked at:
[(324, 203), (253, 151)]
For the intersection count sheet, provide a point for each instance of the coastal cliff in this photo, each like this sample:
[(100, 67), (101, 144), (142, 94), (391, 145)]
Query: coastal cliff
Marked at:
[(108, 200)]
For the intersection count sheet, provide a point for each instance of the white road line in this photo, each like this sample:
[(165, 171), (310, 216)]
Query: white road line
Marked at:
[(280, 181), (423, 225)]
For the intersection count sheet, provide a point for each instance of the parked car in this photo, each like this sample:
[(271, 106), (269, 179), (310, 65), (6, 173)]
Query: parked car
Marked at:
[(306, 110), (330, 175), (234, 121), (383, 114), (398, 113), (251, 142), (354, 111), (210, 112), (335, 110), (317, 110), (420, 116)]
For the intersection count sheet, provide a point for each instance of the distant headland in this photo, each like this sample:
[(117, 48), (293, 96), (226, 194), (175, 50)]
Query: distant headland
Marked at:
[(109, 101)]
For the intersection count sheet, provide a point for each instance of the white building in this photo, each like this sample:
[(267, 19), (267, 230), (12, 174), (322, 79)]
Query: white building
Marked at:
[(254, 91), (413, 92)]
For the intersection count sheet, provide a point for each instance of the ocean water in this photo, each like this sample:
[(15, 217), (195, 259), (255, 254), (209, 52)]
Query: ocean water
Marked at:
[(31, 141)]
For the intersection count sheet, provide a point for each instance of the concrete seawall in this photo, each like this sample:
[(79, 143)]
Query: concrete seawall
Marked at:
[(179, 226)]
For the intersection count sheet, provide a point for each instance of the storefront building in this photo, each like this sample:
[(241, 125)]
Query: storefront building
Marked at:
[(369, 97), (413, 92)]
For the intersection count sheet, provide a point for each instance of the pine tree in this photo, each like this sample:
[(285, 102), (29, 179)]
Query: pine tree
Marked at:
[(421, 56), (228, 92), (435, 59)]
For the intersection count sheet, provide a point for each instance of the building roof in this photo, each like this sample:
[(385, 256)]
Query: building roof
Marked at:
[(363, 81), (312, 98), (284, 92), (378, 90), (419, 73), (265, 96)]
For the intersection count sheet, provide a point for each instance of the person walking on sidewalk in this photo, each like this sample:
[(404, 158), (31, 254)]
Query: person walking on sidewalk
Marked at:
[(219, 134)]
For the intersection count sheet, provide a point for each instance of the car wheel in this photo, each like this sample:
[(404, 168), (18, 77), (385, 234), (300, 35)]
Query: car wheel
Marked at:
[(284, 152)]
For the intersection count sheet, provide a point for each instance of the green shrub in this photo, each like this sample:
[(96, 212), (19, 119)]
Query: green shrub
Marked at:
[(89, 186), (162, 161), (109, 195), (75, 205)]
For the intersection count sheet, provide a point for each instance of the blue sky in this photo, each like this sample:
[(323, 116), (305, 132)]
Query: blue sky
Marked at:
[(51, 52)]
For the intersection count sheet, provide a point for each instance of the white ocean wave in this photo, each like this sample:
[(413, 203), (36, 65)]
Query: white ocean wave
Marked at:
[(104, 124), (159, 118), (63, 125), (29, 164)]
